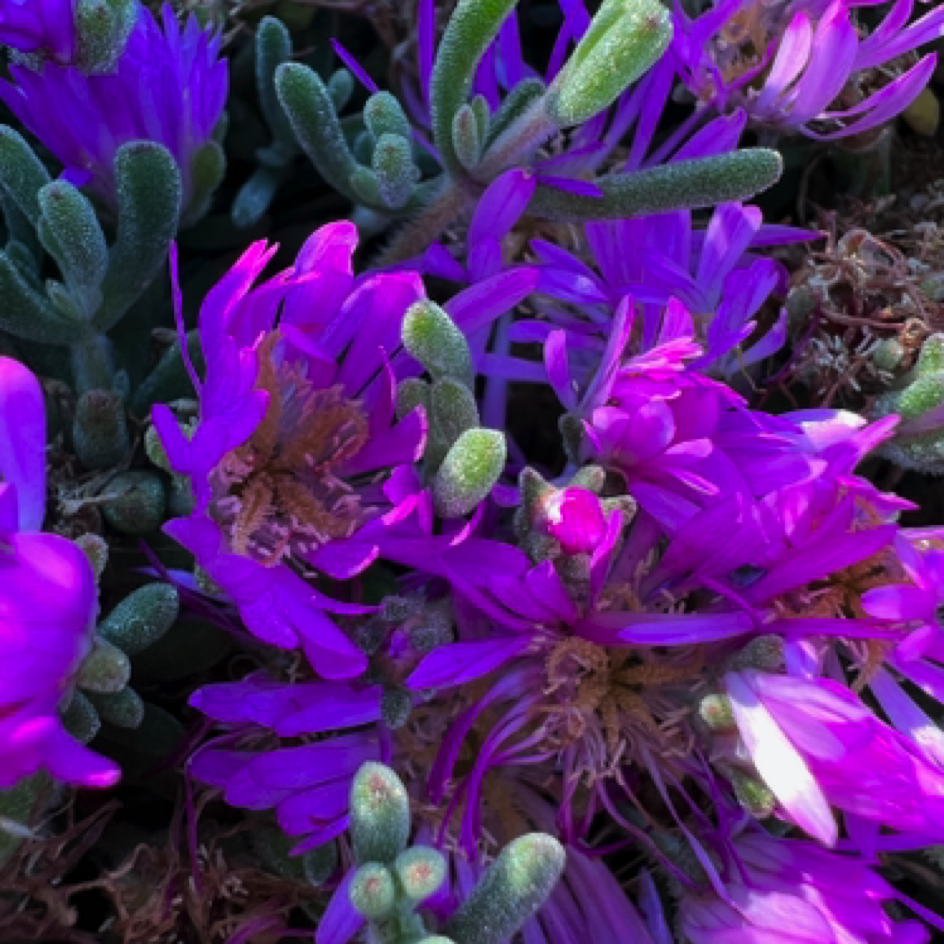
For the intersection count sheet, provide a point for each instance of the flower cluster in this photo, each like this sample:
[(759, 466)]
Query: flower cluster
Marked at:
[(541, 555)]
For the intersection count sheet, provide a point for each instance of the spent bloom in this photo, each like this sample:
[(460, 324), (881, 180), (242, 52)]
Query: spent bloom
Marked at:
[(297, 421), (802, 67), (169, 86), (48, 603)]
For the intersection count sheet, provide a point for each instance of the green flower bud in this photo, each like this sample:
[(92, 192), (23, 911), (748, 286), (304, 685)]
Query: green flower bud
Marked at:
[(383, 114), (716, 712), (392, 162), (511, 891), (466, 138), (624, 40), (379, 814), (124, 709), (141, 618), (100, 430), (754, 796), (139, 502), (469, 471), (80, 718), (105, 670), (421, 872), (888, 354), (431, 336), (372, 891)]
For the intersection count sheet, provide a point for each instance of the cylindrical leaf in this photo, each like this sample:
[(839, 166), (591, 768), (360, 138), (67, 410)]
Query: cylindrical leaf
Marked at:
[(469, 471), (431, 336), (379, 814), (141, 618), (511, 891)]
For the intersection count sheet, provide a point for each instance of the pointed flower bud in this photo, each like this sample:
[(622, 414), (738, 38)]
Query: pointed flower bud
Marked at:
[(379, 815), (469, 471), (624, 40), (512, 890)]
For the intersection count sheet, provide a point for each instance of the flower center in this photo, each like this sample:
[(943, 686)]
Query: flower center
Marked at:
[(279, 494)]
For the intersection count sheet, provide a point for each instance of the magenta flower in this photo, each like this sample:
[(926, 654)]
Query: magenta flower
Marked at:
[(170, 86), (799, 66), (816, 745), (778, 890), (297, 432), (48, 603)]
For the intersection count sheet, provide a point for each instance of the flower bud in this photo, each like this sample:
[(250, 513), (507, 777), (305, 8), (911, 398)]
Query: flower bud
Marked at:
[(379, 814)]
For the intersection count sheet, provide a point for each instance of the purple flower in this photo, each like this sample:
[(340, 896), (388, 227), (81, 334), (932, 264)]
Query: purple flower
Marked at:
[(777, 890), (816, 745), (297, 431), (48, 603), (169, 86), (46, 27), (800, 66)]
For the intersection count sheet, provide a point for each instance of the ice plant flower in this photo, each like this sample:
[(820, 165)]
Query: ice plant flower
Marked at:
[(48, 603), (802, 67), (170, 86), (816, 745), (785, 890), (297, 429)]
